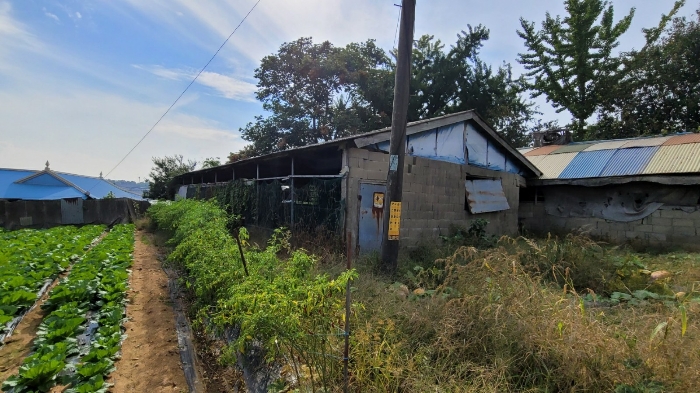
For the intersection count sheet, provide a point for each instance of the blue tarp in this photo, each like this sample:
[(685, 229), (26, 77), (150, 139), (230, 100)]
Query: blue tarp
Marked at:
[(477, 147)]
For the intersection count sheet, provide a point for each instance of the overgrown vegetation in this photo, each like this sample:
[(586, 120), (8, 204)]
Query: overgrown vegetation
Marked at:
[(556, 314), (281, 312)]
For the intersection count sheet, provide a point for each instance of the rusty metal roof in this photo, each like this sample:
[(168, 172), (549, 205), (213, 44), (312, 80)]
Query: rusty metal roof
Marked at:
[(624, 157), (683, 158), (542, 150), (682, 139), (486, 196)]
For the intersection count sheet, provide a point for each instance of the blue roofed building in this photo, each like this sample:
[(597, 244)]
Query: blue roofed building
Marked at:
[(47, 184)]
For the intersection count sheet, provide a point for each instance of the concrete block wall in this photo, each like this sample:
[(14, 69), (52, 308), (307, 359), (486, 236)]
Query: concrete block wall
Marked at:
[(667, 227), (433, 195)]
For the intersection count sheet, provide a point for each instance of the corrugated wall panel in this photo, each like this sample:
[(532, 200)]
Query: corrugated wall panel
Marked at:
[(682, 139), (675, 159), (552, 165), (486, 196), (606, 145), (644, 142), (632, 161), (587, 164), (539, 151)]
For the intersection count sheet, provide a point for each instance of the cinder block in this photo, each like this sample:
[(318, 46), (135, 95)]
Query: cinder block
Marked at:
[(673, 214), (633, 235), (656, 213), (661, 221), (643, 228), (662, 229), (656, 237), (683, 222), (688, 231)]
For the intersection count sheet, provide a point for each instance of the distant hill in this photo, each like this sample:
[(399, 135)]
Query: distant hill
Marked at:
[(132, 186)]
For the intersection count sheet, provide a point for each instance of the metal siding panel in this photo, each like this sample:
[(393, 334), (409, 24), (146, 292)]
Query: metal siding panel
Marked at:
[(645, 142), (587, 164), (72, 211), (542, 150), (605, 145), (486, 196), (422, 144), (682, 139), (552, 165), (675, 159), (626, 162), (371, 228), (572, 148), (450, 143), (477, 146)]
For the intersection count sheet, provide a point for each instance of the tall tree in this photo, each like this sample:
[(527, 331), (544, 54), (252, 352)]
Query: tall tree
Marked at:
[(570, 60), (163, 172), (661, 92)]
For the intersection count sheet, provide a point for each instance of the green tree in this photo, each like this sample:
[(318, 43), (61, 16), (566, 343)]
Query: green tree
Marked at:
[(570, 60), (163, 172), (660, 93), (211, 162)]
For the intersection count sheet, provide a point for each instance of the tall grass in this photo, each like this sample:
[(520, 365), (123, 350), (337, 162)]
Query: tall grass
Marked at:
[(519, 318)]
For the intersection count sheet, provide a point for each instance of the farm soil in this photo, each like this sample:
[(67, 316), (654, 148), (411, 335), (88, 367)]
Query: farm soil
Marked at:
[(150, 357), (19, 344)]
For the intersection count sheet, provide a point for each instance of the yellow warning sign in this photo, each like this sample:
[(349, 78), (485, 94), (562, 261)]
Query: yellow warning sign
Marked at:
[(378, 200), (394, 220)]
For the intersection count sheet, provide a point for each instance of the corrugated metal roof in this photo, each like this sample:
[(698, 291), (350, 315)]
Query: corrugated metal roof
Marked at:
[(606, 145), (486, 196), (552, 165), (644, 142), (587, 164), (682, 139), (574, 147), (631, 161), (98, 188), (526, 150), (542, 150), (675, 159)]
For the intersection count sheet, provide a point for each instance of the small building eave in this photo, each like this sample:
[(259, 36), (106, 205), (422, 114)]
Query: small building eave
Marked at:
[(686, 179)]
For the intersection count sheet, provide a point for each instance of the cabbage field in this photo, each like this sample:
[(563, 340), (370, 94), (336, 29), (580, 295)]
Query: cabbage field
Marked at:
[(81, 332)]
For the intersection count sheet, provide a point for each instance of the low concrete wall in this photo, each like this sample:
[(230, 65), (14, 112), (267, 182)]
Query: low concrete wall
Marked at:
[(667, 227), (47, 214), (433, 195)]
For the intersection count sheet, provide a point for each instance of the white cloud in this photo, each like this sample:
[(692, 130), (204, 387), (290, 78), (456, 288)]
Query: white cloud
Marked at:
[(227, 86), (52, 16), (78, 15), (88, 131)]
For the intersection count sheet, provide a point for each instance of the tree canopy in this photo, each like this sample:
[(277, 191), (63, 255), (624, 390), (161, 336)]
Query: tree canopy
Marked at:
[(163, 172), (571, 60)]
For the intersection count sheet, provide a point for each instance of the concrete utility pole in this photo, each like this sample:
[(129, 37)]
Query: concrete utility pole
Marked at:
[(397, 146)]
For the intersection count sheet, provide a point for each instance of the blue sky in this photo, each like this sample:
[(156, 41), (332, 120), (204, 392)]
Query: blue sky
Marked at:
[(81, 81)]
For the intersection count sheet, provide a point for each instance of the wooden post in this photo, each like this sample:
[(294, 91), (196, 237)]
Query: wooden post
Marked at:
[(257, 196), (233, 174), (397, 145), (346, 352)]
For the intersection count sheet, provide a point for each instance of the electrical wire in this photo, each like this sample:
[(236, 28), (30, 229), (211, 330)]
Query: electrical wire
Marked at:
[(183, 92), (397, 24)]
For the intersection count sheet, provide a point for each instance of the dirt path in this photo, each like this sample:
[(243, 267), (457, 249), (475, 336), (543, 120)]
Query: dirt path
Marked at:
[(150, 357), (19, 344)]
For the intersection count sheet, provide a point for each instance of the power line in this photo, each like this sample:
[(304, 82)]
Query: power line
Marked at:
[(184, 91), (397, 24)]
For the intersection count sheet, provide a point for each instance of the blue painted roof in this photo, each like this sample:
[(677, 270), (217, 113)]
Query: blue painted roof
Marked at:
[(55, 185), (587, 164), (630, 161)]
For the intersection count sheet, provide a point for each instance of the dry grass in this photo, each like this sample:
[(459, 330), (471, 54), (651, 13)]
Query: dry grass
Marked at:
[(519, 318)]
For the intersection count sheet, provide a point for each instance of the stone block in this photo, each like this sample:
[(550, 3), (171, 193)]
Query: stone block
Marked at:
[(668, 213), (656, 213), (656, 237), (662, 221), (687, 231), (683, 222), (662, 229), (634, 235), (643, 228)]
